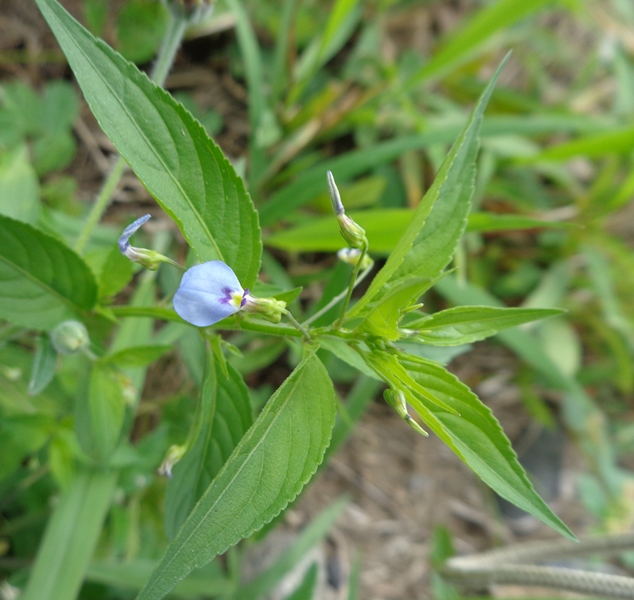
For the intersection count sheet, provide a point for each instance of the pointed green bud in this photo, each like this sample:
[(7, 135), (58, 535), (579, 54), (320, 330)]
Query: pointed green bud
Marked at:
[(353, 233), (396, 399), (174, 454)]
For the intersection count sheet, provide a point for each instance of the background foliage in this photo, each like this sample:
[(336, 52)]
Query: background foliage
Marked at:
[(357, 90)]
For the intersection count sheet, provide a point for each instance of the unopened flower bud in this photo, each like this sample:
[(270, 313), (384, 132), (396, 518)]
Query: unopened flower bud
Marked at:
[(69, 337), (396, 399), (173, 456), (353, 233), (267, 308), (150, 259), (351, 256)]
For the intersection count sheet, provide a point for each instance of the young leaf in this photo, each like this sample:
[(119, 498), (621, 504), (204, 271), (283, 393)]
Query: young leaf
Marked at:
[(225, 416), (431, 238), (267, 470), (168, 150), (42, 282), (466, 324), (383, 319), (44, 364), (477, 438)]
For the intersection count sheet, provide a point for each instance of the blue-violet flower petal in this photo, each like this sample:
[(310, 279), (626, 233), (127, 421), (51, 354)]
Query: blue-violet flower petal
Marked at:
[(128, 232), (208, 293)]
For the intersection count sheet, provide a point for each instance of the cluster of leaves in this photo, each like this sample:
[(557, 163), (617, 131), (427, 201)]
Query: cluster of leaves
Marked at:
[(244, 466)]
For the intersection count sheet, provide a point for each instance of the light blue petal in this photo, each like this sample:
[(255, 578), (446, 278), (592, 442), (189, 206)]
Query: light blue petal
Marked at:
[(202, 296), (129, 231)]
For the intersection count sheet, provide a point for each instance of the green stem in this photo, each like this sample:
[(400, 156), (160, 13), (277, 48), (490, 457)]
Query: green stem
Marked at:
[(297, 325), (171, 42), (98, 208), (351, 286), (167, 53), (337, 298)]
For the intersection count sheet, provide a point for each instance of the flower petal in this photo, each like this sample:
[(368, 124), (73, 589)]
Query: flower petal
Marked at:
[(129, 231), (207, 294)]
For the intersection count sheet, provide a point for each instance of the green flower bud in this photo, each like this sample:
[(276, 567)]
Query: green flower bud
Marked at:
[(353, 233), (69, 337), (267, 308), (396, 399), (174, 454), (352, 256)]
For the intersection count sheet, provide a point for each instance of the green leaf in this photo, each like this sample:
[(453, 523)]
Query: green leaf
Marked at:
[(268, 468), (343, 17), (60, 107), (225, 415), (306, 589), (470, 429), (42, 282), (580, 412), (19, 187), (168, 150), (384, 227), (71, 536), (478, 440), (463, 45), (53, 152), (99, 415), (136, 356), (466, 324), (20, 436), (596, 145), (140, 29), (440, 219), (44, 364), (383, 319)]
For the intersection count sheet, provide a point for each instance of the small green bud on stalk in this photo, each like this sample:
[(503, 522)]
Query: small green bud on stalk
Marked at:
[(353, 233), (396, 399)]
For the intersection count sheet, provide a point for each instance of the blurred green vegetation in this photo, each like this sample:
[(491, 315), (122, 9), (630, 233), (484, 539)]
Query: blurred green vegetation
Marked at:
[(375, 91)]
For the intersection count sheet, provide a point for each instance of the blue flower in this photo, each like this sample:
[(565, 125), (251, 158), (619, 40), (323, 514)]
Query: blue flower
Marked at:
[(209, 293)]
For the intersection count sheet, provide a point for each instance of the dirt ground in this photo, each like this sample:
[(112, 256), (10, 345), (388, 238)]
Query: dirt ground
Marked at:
[(401, 486)]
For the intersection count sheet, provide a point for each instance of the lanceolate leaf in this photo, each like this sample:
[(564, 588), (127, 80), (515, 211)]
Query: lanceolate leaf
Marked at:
[(466, 324), (225, 416), (477, 438), (440, 219), (167, 149), (42, 281), (268, 468)]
